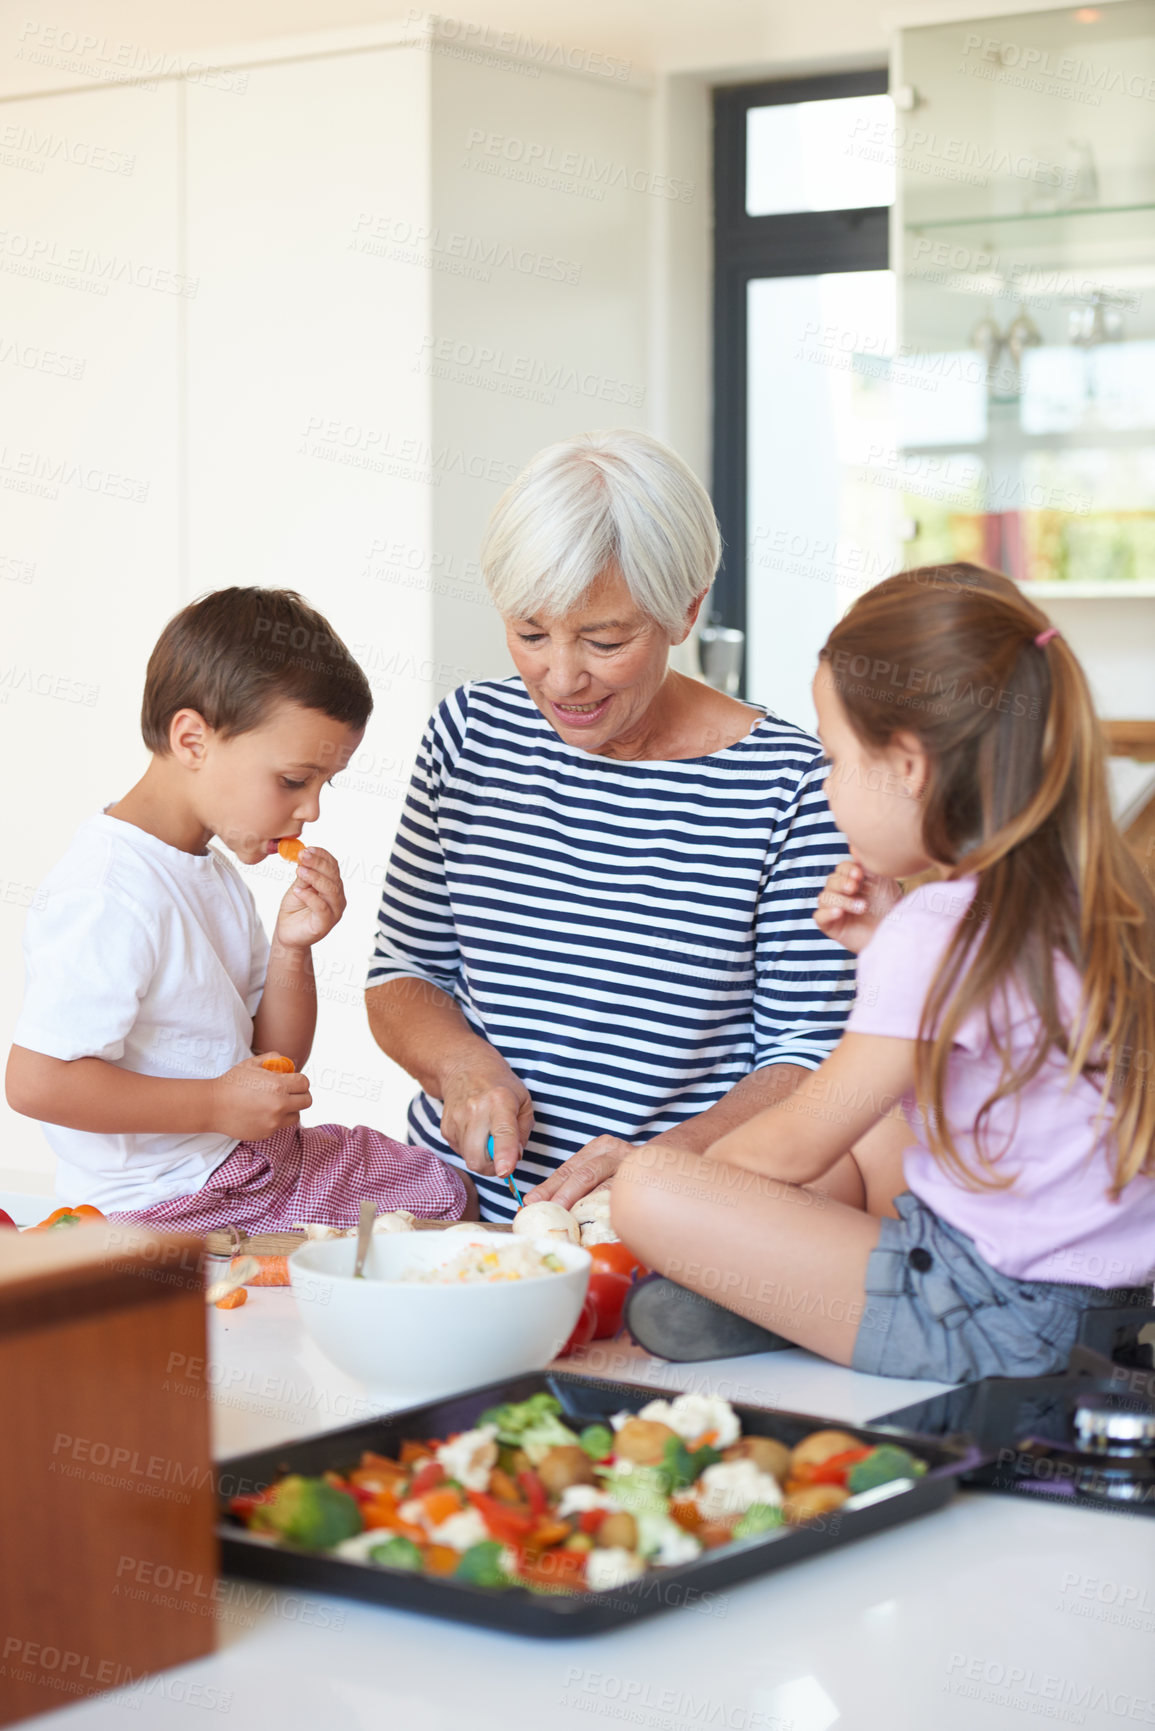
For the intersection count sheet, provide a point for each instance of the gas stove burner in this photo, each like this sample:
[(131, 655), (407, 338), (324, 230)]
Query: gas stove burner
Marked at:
[(1086, 1437), (1110, 1425)]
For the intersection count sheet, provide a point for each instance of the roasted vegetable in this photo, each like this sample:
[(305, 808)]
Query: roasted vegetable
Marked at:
[(758, 1518), (481, 1564), (397, 1553), (644, 1440), (564, 1466), (768, 1455), (532, 1425), (812, 1500), (308, 1512), (598, 1441), (880, 1466), (680, 1468)]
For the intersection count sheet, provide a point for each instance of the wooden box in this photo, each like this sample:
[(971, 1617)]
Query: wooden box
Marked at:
[(107, 1511)]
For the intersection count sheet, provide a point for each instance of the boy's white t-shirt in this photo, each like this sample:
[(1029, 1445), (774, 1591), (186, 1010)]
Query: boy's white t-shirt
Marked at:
[(154, 960)]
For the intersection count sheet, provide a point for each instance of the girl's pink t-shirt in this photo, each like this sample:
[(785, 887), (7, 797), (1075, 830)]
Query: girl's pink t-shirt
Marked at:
[(1056, 1222)]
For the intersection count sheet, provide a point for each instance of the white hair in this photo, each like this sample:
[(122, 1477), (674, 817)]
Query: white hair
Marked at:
[(614, 498)]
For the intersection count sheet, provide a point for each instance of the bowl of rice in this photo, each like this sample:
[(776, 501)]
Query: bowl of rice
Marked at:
[(437, 1312)]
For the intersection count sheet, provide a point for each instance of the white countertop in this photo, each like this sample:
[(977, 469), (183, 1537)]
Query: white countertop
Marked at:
[(992, 1613)]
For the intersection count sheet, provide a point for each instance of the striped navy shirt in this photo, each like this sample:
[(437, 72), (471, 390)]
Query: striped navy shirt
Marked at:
[(632, 937)]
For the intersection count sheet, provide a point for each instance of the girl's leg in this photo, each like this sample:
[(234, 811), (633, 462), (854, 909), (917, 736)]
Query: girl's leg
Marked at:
[(789, 1259), (870, 1176)]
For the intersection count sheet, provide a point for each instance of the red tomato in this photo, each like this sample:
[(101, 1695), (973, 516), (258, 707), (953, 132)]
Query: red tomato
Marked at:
[(6, 1219), (583, 1329), (608, 1293), (615, 1259)]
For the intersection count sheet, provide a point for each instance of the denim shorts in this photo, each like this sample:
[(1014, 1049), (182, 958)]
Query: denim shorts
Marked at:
[(936, 1309)]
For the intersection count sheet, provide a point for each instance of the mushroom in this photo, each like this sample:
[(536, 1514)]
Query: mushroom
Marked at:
[(595, 1206), (546, 1220), (397, 1220)]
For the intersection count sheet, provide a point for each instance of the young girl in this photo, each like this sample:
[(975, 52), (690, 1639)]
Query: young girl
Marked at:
[(1008, 1004)]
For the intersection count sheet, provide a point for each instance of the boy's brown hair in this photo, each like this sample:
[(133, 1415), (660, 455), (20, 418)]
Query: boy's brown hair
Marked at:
[(237, 653)]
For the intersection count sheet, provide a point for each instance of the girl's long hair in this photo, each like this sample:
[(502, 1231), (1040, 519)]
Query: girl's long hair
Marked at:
[(1017, 795)]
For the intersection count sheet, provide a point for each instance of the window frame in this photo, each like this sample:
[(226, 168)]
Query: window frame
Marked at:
[(798, 243)]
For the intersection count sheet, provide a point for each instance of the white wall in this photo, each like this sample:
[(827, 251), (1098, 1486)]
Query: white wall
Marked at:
[(90, 280), (298, 426)]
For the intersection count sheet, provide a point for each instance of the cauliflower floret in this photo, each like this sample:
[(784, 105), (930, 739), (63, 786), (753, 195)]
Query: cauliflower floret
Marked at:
[(694, 1415), (578, 1499), (612, 1567), (731, 1487), (664, 1542), (469, 1457), (460, 1531)]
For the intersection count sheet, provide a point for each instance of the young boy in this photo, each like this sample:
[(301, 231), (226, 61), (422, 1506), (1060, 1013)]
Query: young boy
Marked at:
[(151, 987)]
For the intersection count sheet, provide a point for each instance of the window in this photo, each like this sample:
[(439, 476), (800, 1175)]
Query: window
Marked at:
[(804, 341)]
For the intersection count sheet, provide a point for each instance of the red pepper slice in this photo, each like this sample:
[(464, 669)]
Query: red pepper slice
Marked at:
[(534, 1492), (833, 1471), (427, 1478), (559, 1568), (502, 1522), (591, 1519), (243, 1506)]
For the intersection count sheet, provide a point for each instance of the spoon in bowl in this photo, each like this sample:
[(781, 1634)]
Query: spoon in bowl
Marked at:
[(365, 1219)]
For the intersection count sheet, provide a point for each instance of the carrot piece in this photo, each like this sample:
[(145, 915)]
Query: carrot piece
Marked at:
[(233, 1300), (381, 1511), (272, 1270), (290, 847), (687, 1514), (440, 1559), (439, 1505), (412, 1452), (277, 1062), (503, 1488), (547, 1533)]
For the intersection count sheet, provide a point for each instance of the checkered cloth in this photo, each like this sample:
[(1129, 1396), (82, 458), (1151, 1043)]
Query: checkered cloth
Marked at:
[(311, 1172)]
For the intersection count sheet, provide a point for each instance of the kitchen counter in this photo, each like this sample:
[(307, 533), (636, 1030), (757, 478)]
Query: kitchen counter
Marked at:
[(989, 1614)]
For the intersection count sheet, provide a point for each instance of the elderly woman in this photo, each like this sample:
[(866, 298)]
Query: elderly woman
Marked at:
[(596, 928)]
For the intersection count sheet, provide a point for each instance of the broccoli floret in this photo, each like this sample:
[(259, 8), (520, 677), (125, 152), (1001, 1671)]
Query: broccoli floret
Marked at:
[(880, 1466), (397, 1553), (481, 1564), (309, 1512), (680, 1468), (598, 1441), (642, 1491), (531, 1424), (759, 1518)]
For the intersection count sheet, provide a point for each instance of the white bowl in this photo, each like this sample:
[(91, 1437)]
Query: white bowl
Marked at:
[(408, 1341)]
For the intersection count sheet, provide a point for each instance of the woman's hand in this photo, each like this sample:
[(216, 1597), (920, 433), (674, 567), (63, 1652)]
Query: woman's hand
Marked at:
[(481, 1100), (852, 902), (591, 1166)]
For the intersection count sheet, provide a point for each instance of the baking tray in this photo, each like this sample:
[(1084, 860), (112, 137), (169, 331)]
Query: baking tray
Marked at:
[(518, 1610)]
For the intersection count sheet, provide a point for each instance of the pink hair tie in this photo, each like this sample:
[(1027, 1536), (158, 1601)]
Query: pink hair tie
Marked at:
[(1044, 637)]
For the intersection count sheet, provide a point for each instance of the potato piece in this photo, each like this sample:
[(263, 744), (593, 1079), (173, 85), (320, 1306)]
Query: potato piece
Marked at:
[(768, 1455), (643, 1441), (820, 1445), (618, 1528), (565, 1465), (812, 1500)]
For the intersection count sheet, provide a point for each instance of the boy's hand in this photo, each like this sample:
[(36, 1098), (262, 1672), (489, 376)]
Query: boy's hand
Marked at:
[(314, 901), (251, 1103), (852, 902)]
